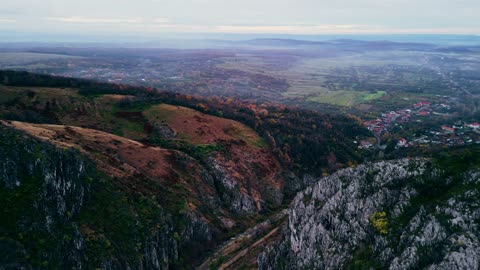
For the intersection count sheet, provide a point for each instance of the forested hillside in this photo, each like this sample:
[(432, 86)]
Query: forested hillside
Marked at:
[(106, 170), (304, 140)]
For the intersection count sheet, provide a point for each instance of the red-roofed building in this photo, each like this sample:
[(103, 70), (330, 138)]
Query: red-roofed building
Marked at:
[(402, 143), (365, 144), (448, 129), (474, 125), (423, 113)]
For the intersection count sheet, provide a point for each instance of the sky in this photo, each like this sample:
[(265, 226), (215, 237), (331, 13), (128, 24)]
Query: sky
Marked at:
[(297, 17)]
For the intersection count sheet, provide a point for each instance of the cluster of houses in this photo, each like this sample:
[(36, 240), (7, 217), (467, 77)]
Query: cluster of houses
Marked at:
[(387, 120), (460, 133)]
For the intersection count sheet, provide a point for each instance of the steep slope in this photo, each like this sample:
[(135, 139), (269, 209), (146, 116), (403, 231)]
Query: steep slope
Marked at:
[(212, 176), (242, 164), (121, 158), (404, 214), (234, 153), (304, 141), (124, 158), (174, 186), (63, 213), (165, 184)]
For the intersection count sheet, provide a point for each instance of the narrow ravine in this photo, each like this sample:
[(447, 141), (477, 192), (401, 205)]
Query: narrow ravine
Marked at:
[(228, 254)]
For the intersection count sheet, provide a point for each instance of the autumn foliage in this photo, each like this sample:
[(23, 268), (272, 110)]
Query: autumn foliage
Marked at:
[(303, 140)]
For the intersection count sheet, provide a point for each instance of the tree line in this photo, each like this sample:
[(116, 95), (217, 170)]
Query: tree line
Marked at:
[(306, 141)]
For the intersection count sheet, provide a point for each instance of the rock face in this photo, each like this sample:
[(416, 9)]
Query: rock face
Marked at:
[(404, 214), (43, 189), (59, 212), (83, 198)]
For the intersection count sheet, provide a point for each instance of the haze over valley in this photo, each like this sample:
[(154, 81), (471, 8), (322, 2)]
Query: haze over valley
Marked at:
[(248, 135)]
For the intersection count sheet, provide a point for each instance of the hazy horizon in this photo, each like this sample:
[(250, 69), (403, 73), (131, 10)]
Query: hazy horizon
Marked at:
[(204, 18), (38, 38)]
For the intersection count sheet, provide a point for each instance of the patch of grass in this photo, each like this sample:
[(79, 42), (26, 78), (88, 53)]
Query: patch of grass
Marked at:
[(41, 94), (164, 112), (372, 96), (245, 134), (111, 119), (345, 98), (204, 150)]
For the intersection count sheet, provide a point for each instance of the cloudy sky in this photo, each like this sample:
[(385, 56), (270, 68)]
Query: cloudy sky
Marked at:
[(145, 17)]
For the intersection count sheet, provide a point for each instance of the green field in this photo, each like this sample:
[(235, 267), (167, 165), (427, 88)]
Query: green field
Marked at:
[(328, 80), (346, 98)]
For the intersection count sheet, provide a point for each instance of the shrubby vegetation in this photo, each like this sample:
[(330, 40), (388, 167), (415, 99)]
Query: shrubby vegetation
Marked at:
[(303, 140), (380, 222)]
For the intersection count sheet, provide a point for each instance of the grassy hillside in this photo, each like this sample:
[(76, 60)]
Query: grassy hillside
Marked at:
[(302, 140)]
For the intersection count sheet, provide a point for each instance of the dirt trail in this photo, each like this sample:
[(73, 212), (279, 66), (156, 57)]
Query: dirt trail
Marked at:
[(240, 245), (244, 252)]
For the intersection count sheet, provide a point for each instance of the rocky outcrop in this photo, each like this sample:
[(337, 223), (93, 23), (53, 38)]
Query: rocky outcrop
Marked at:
[(237, 200), (58, 211), (43, 189), (404, 214), (116, 203)]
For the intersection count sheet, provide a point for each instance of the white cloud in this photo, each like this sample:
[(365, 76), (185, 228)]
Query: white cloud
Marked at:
[(4, 20), (340, 29), (242, 16), (160, 20), (301, 29), (80, 19), (248, 29), (289, 29)]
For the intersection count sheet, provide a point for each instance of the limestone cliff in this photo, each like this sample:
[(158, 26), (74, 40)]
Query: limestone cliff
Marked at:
[(404, 214)]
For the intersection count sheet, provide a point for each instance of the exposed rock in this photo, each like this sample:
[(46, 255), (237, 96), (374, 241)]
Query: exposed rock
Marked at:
[(48, 189), (165, 131), (237, 200), (432, 220)]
